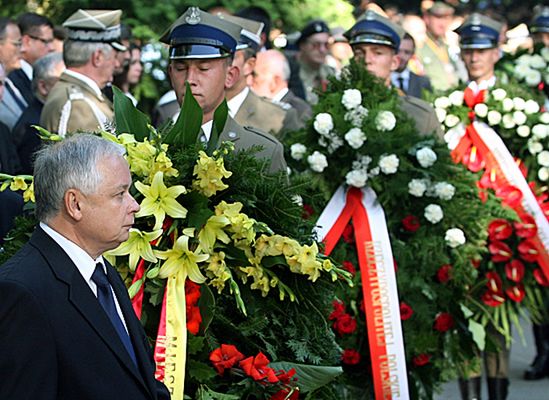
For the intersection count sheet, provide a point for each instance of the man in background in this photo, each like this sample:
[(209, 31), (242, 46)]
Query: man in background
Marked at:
[(13, 103), (404, 79)]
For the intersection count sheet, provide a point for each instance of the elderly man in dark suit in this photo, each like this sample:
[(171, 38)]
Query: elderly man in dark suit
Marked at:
[(67, 325), (404, 79)]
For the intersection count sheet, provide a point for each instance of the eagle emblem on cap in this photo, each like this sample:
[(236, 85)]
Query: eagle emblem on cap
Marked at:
[(318, 27), (475, 20), (370, 15), (194, 16)]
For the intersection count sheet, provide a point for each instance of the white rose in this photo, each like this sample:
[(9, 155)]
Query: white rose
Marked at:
[(543, 174), (540, 131), (481, 110), (417, 187), (444, 190), (385, 121), (355, 137), (356, 178), (518, 103), (426, 157), (531, 107), (521, 70), (544, 117), (297, 151), (454, 237), (317, 161), (545, 53), (323, 123), (442, 102), (351, 98), (507, 121), (494, 117), (498, 94), (433, 213), (537, 61), (388, 164), (543, 158), (534, 147), (523, 131), (519, 117), (441, 114), (456, 97), (507, 104), (524, 59), (532, 77), (451, 120)]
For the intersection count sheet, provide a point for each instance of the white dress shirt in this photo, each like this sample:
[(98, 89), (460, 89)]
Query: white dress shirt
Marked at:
[(236, 102)]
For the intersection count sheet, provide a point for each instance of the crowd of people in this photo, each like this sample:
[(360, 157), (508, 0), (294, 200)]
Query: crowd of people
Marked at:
[(62, 79)]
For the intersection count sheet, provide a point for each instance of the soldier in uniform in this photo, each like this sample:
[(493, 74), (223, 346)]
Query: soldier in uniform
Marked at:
[(375, 41), (246, 107), (90, 54), (202, 47), (433, 54), (539, 26)]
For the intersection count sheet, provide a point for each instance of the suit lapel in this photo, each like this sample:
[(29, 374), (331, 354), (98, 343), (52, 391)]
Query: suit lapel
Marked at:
[(247, 108)]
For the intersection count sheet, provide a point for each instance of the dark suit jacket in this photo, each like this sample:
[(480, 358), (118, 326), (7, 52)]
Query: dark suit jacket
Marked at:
[(9, 161), (417, 84), (23, 83), (57, 341), (25, 137)]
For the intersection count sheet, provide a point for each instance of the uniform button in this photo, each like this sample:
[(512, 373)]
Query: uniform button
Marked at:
[(232, 135), (203, 138)]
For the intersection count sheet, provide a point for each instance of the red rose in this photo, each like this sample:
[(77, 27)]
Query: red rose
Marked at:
[(514, 270), (411, 223), (493, 299), (500, 251), (443, 322), (308, 211), (421, 360), (540, 277), (527, 227), (339, 310), (345, 325), (500, 229), (257, 368), (348, 234), (225, 357), (350, 357), (406, 311), (348, 266), (516, 293), (444, 273), (528, 251)]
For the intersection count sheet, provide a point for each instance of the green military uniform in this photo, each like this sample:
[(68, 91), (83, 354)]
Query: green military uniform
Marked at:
[(423, 114), (72, 105), (437, 64), (267, 116)]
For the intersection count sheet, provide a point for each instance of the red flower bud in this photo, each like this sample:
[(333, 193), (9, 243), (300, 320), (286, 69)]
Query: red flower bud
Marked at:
[(406, 311), (411, 223), (349, 234), (443, 322), (499, 229), (514, 270), (527, 227), (528, 251), (339, 310), (516, 293), (348, 266), (345, 325), (350, 357), (500, 251), (308, 211), (421, 360)]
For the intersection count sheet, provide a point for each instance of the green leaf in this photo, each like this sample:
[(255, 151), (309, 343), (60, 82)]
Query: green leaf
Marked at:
[(200, 371), (207, 306), (205, 393), (466, 312), (129, 119), (198, 210), (186, 129), (479, 334), (195, 344), (309, 377), (219, 120)]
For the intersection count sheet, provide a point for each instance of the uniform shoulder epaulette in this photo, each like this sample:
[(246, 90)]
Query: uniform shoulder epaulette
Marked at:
[(261, 133), (271, 104), (283, 104), (74, 93)]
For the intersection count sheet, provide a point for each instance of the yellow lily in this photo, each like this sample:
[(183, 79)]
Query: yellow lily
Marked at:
[(18, 183), (181, 260), (160, 200), (28, 195), (137, 246), (212, 231)]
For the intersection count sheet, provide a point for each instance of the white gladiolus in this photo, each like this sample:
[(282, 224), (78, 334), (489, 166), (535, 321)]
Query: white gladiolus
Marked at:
[(451, 120), (543, 158), (454, 237), (531, 107), (355, 137), (507, 121), (351, 98), (519, 103), (442, 102), (519, 117), (481, 110), (544, 118), (433, 213), (426, 157), (498, 94), (534, 147), (385, 121), (532, 77), (297, 151), (523, 131), (543, 174), (356, 178), (507, 104), (317, 161), (323, 123), (540, 131), (417, 187), (456, 97), (444, 190), (388, 164), (441, 114), (494, 117)]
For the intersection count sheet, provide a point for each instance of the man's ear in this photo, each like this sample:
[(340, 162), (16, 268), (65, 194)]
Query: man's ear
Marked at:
[(72, 202), (233, 73), (395, 61), (249, 66), (97, 57)]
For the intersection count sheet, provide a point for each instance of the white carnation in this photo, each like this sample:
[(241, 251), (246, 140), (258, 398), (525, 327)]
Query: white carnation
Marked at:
[(507, 104), (385, 121), (444, 190), (317, 161), (540, 131), (523, 131), (442, 102), (498, 94), (532, 77), (323, 123), (494, 117), (454, 237), (388, 164), (543, 158), (507, 121), (544, 117), (456, 97), (355, 137), (433, 213), (441, 114), (351, 98), (524, 59), (481, 110), (451, 120), (521, 70), (531, 107), (543, 174), (534, 147), (537, 61), (426, 157), (356, 178), (519, 117), (417, 187), (297, 151), (519, 103)]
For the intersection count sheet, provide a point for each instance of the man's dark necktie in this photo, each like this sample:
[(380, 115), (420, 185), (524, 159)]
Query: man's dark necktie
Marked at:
[(16, 97), (106, 299), (400, 80)]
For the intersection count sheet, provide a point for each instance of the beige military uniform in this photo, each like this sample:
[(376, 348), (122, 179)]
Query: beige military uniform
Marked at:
[(423, 115), (73, 105), (266, 116), (437, 64)]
